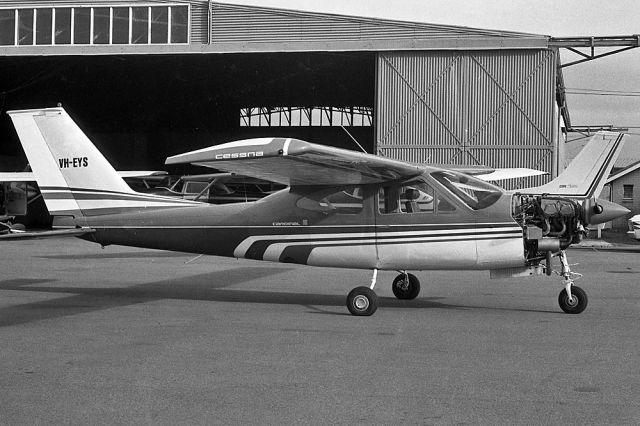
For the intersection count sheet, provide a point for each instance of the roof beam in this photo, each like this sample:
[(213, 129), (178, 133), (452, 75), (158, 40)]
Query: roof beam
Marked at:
[(591, 43), (596, 128)]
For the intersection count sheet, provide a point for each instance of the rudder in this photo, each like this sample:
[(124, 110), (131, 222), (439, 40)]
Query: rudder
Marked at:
[(74, 177)]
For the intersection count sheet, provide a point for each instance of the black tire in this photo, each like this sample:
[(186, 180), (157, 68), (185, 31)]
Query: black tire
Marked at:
[(577, 305), (406, 290), (362, 301)]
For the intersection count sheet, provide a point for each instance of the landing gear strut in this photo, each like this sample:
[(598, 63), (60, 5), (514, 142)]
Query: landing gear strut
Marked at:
[(572, 299)]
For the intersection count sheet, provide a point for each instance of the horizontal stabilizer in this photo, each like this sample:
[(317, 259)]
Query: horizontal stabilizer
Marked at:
[(47, 234)]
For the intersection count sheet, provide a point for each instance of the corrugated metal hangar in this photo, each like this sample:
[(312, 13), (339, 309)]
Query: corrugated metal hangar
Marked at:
[(150, 79)]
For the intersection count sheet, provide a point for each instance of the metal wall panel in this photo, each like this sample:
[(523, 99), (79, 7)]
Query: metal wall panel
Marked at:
[(468, 108), (243, 29), (236, 23), (199, 23)]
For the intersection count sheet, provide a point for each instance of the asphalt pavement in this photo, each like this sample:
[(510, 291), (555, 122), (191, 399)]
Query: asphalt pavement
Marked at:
[(130, 336)]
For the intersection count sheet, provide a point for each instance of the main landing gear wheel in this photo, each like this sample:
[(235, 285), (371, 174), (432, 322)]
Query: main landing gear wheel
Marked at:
[(362, 301), (406, 286), (576, 304)]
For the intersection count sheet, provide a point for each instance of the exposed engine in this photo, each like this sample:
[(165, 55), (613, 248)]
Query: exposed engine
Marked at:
[(550, 224)]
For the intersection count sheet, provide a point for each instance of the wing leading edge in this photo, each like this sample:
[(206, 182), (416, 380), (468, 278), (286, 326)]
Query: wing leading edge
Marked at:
[(295, 162)]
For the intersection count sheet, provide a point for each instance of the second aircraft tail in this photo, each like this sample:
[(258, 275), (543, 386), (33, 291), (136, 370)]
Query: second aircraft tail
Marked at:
[(585, 176)]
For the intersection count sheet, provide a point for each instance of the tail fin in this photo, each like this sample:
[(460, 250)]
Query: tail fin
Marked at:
[(74, 177), (586, 175)]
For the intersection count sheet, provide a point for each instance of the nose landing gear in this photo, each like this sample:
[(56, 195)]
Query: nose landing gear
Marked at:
[(572, 299)]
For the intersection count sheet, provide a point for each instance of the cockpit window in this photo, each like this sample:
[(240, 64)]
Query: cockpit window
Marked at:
[(412, 197), (476, 193), (330, 201)]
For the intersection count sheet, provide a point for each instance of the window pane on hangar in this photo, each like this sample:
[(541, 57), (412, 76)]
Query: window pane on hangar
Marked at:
[(81, 25), (101, 23), (275, 118), (316, 117), (63, 25), (179, 24), (296, 117), (25, 26), (159, 24), (44, 25), (120, 25), (7, 27), (358, 119), (140, 25)]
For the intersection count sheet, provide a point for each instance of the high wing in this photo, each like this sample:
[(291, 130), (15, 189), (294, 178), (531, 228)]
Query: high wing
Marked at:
[(294, 162), (491, 174), (513, 173), (17, 177), (142, 173)]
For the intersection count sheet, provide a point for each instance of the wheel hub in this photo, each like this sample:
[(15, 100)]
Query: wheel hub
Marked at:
[(361, 303), (572, 301), (404, 284)]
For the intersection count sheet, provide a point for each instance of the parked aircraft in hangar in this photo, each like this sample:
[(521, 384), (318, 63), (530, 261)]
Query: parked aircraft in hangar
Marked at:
[(340, 209)]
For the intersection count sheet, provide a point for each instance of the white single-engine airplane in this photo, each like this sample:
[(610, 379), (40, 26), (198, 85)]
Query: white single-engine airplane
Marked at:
[(341, 209)]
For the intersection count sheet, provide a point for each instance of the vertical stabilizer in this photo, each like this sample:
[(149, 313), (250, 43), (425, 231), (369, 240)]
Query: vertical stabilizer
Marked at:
[(74, 177), (586, 174)]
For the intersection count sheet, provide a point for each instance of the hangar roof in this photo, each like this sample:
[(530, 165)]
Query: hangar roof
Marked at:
[(233, 28)]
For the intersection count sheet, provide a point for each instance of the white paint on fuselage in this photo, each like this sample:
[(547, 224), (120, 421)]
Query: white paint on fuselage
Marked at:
[(496, 253)]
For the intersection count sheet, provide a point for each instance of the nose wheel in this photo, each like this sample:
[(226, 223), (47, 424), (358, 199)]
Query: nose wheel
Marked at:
[(574, 303)]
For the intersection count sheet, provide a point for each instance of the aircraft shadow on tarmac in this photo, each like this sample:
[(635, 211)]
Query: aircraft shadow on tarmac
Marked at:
[(120, 255), (203, 287)]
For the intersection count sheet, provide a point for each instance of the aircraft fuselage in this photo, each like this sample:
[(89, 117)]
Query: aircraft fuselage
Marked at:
[(294, 227)]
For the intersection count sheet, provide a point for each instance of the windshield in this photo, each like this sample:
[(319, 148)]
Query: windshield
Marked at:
[(476, 193)]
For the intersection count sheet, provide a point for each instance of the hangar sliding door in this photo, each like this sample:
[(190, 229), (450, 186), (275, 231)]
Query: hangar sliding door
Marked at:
[(492, 108)]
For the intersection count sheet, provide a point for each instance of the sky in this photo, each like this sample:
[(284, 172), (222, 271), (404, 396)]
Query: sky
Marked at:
[(619, 72)]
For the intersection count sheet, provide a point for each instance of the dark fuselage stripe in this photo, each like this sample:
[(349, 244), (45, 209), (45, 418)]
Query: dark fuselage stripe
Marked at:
[(258, 248)]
